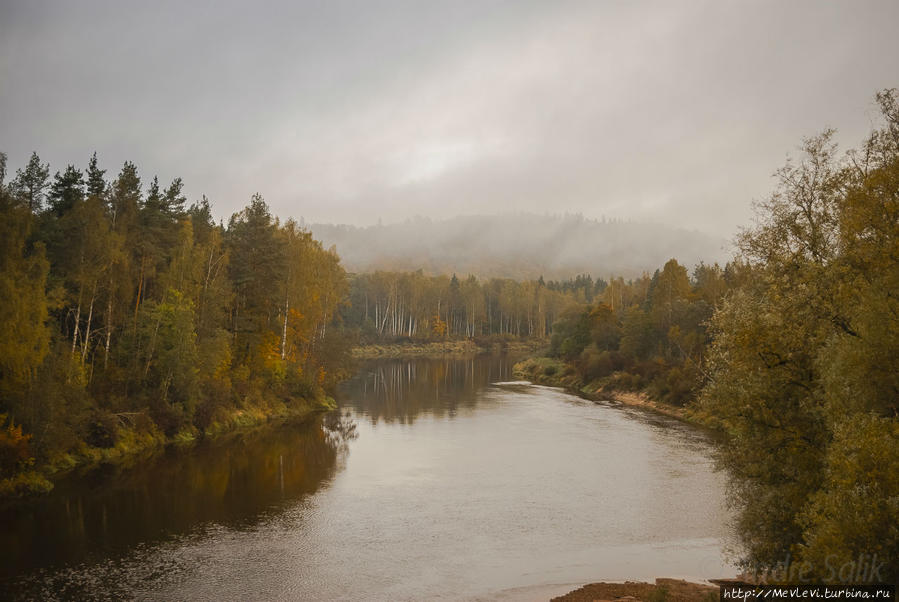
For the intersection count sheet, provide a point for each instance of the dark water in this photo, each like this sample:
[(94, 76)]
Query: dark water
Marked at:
[(437, 479)]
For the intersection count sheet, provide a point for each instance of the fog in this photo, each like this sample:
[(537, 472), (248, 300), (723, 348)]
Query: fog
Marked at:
[(343, 112), (520, 246)]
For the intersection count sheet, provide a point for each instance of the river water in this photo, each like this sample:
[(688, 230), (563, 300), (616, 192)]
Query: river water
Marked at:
[(435, 479)]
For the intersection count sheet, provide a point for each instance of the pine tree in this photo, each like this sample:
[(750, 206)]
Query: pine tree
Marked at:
[(30, 185), (96, 184), (67, 190)]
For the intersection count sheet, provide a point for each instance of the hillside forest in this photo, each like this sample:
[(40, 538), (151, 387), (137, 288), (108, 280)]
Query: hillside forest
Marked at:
[(521, 246), (129, 318)]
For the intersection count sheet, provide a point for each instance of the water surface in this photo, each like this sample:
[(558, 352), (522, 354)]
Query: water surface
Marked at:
[(436, 479)]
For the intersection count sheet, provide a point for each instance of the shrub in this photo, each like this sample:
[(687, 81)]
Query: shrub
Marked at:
[(14, 450), (102, 431)]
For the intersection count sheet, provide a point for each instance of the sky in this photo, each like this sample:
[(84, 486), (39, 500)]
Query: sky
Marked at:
[(354, 112)]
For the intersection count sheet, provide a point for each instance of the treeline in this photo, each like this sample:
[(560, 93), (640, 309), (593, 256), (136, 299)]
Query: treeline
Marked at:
[(803, 369), (390, 306), (126, 315), (793, 351), (649, 333)]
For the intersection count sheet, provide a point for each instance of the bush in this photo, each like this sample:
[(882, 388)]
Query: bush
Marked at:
[(595, 364), (207, 412), (676, 386), (168, 417), (102, 431), (14, 450)]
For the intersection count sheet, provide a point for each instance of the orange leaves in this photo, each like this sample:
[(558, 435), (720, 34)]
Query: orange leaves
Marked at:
[(14, 450), (439, 326)]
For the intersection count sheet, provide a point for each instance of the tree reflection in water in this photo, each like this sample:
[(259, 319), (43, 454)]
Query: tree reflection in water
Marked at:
[(402, 389), (234, 482)]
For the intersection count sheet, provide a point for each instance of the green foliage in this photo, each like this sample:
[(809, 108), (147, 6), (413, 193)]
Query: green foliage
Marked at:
[(594, 364), (102, 431), (143, 319), (29, 186), (25, 483), (390, 306), (856, 509), (795, 349), (605, 327), (257, 260), (639, 338), (804, 362), (67, 189), (646, 334), (571, 334), (170, 355), (543, 370)]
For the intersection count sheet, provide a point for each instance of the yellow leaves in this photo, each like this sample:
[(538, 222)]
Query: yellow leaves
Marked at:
[(269, 347), (439, 326), (268, 355), (24, 338)]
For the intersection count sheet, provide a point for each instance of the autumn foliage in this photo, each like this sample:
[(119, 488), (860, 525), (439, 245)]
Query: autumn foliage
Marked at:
[(124, 310)]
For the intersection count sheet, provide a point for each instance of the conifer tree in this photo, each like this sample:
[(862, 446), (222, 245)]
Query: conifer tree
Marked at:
[(30, 185)]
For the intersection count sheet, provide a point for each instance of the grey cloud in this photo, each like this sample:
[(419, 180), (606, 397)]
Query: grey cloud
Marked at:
[(339, 111)]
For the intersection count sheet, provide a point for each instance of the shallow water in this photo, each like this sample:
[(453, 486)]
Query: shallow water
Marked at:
[(436, 479)]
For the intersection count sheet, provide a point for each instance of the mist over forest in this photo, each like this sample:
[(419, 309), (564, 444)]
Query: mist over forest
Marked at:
[(519, 246), (449, 300)]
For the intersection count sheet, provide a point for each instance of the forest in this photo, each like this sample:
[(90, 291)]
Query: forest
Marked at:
[(791, 350), (391, 306), (129, 319), (647, 334)]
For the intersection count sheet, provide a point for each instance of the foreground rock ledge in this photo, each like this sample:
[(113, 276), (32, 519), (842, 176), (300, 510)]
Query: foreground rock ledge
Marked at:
[(670, 590)]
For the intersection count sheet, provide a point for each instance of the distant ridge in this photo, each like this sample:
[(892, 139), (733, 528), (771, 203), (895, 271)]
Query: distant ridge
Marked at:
[(520, 245)]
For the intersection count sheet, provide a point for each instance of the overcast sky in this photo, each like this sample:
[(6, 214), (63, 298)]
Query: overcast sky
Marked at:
[(674, 112)]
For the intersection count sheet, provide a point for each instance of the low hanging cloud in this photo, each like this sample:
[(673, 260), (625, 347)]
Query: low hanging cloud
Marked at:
[(350, 112)]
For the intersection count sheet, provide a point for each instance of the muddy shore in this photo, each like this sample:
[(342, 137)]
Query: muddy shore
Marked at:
[(669, 590)]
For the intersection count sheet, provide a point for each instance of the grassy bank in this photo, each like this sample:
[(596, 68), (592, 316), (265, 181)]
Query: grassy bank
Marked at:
[(447, 348), (556, 373), (138, 439)]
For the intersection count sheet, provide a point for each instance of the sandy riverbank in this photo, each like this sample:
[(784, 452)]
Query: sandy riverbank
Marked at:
[(554, 373), (669, 590), (450, 348)]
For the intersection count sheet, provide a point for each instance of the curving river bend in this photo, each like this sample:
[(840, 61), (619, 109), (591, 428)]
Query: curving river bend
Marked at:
[(436, 479)]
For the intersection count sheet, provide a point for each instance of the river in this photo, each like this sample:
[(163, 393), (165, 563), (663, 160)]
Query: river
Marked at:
[(435, 479)]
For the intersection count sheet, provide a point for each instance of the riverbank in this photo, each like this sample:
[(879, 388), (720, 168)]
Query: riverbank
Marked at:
[(448, 348), (439, 436), (555, 373), (139, 440), (669, 590)]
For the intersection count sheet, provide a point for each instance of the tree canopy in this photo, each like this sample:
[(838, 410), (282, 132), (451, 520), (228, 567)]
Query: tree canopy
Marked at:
[(124, 314)]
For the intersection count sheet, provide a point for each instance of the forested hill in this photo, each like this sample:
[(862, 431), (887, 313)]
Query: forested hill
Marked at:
[(129, 319), (520, 246)]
